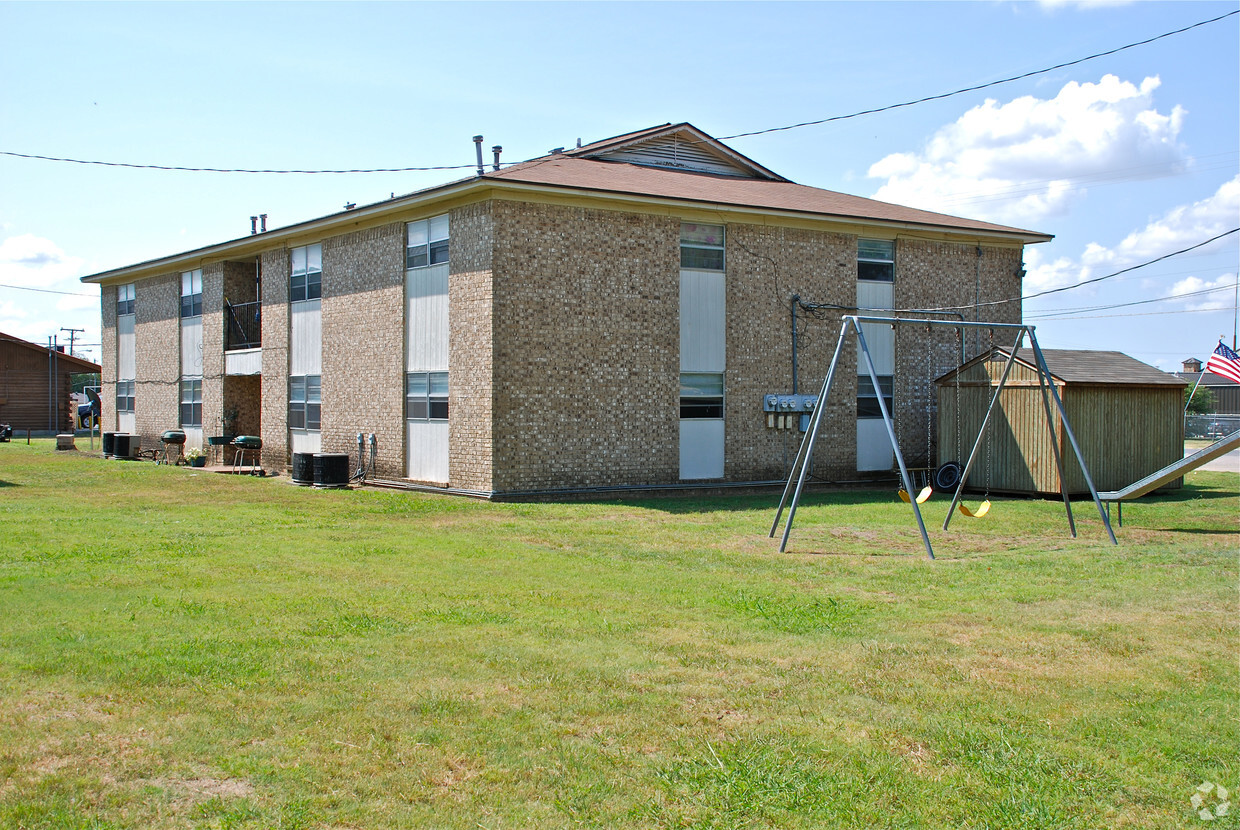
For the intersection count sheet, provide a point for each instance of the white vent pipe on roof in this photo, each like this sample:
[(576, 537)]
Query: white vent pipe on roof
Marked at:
[(478, 148)]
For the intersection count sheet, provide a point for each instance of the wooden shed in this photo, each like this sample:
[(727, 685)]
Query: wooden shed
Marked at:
[(35, 385), (1128, 418)]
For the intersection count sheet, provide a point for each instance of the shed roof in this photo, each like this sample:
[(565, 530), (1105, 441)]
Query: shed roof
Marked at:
[(1082, 366), (71, 362)]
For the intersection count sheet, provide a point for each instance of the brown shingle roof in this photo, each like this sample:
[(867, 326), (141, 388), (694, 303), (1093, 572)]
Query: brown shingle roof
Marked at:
[(565, 171), (1088, 366)]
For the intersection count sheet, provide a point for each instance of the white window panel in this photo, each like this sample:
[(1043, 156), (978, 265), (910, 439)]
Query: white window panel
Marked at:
[(702, 321), (306, 338), (701, 449), (873, 445), (426, 321), (426, 444), (191, 346), (126, 356)]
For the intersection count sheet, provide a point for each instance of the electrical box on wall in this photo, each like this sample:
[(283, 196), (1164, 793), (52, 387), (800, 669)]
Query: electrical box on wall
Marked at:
[(788, 411)]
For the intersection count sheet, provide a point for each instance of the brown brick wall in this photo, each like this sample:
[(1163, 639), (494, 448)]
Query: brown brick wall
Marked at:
[(766, 266), (275, 269), (107, 360), (471, 348), (586, 354), (157, 347), (213, 347), (363, 343)]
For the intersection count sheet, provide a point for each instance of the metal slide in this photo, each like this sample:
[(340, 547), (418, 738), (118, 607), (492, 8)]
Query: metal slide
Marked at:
[(1171, 472)]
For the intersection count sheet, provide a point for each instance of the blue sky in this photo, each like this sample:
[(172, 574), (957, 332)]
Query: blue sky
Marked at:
[(1124, 158)]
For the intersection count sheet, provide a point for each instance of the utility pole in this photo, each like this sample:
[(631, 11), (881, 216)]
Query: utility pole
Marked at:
[(72, 337)]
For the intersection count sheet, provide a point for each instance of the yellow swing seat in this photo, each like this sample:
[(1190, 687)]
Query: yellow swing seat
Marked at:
[(925, 494), (981, 511)]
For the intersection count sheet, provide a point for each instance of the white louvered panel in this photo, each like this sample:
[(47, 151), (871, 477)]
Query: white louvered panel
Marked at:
[(873, 445), (702, 321), (191, 347), (126, 358), (306, 440), (879, 337), (426, 345), (675, 152), (701, 449), (427, 447), (306, 338)]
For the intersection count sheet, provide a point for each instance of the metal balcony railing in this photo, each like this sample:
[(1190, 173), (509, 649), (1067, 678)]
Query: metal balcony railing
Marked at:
[(242, 326)]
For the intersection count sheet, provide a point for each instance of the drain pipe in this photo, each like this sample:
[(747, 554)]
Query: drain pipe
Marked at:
[(374, 452)]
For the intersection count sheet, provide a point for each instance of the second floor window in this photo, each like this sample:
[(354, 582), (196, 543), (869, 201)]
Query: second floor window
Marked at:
[(306, 276), (876, 260), (191, 293), (124, 299), (701, 247), (427, 242)]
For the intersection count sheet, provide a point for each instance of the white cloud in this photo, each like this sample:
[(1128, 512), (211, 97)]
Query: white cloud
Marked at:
[(1029, 158), (34, 262), (1175, 230), (1207, 302)]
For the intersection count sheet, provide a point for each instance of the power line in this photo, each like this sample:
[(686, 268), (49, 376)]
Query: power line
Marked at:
[(232, 169), (858, 114), (1073, 286), (46, 290), (1133, 267), (1066, 313), (943, 95)]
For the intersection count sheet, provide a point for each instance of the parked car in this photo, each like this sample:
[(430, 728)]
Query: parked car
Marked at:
[(88, 413)]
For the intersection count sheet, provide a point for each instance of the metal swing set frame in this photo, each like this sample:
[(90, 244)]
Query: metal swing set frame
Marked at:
[(852, 322)]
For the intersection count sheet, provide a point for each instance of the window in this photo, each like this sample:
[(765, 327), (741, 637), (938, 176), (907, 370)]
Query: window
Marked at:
[(306, 274), (701, 247), (191, 402), (191, 293), (428, 242), (426, 396), (701, 395), (124, 299), (305, 398), (867, 401), (124, 394), (876, 260)]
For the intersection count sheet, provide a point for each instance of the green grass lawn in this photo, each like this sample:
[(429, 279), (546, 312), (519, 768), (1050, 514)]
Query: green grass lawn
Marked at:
[(182, 649)]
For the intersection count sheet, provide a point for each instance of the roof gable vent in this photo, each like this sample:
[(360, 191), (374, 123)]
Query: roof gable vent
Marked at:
[(679, 152)]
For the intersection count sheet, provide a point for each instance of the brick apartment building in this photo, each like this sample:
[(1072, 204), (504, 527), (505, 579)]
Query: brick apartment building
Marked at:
[(610, 315)]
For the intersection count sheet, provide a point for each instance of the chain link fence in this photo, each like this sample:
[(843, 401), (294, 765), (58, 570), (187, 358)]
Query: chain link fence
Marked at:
[(1210, 426)]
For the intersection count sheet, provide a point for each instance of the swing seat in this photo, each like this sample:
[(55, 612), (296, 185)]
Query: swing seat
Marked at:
[(925, 493), (981, 511)]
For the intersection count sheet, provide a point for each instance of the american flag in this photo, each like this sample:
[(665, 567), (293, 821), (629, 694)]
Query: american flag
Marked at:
[(1224, 362)]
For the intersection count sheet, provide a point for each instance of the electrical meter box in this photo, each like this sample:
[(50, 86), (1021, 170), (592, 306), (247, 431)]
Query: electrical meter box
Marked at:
[(788, 411)]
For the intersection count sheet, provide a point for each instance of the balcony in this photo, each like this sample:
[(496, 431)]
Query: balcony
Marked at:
[(243, 354), (242, 326)]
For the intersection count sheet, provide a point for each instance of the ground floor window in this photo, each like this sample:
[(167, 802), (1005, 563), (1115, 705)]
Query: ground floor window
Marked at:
[(124, 395), (867, 398), (701, 394), (305, 401), (426, 396), (191, 402)]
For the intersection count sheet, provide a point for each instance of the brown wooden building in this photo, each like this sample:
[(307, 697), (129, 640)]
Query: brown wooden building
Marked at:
[(35, 385), (1127, 417)]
